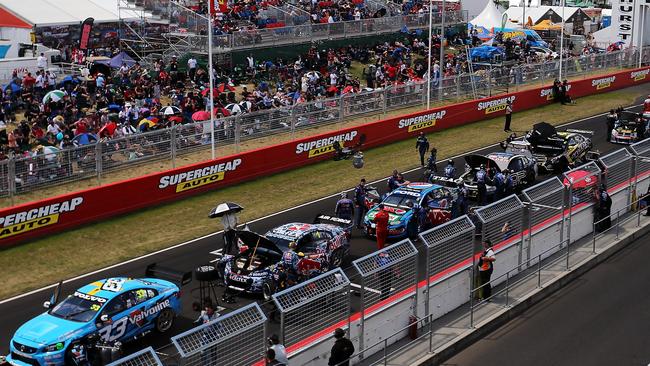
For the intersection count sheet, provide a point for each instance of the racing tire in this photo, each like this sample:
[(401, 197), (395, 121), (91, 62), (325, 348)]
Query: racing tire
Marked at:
[(336, 260), (206, 273), (165, 320), (268, 289)]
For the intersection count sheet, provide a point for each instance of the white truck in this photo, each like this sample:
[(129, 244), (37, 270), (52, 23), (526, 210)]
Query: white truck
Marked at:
[(26, 60)]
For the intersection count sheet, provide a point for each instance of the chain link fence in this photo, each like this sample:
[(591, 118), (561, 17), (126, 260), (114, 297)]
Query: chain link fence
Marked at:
[(641, 151), (619, 177), (582, 185), (314, 305), (237, 338), (52, 166), (383, 273)]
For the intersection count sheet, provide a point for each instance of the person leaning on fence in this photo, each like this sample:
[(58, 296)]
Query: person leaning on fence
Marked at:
[(278, 348), (485, 269), (342, 349), (271, 360)]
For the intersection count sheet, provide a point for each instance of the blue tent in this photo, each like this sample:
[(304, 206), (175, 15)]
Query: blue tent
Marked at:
[(485, 52), (117, 61)]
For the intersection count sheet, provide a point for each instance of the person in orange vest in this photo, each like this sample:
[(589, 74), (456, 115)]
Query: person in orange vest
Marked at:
[(381, 223), (485, 268)]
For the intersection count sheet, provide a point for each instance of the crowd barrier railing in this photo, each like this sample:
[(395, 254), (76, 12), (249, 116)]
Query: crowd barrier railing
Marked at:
[(312, 310), (56, 166)]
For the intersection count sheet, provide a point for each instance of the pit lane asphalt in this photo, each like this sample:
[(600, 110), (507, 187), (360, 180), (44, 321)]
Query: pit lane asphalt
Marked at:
[(187, 257)]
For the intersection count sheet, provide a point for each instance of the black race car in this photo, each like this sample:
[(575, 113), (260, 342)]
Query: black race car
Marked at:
[(630, 128), (521, 166)]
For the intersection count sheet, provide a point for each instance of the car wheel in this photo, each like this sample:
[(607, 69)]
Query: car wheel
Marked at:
[(206, 273), (336, 260), (268, 289), (165, 320)]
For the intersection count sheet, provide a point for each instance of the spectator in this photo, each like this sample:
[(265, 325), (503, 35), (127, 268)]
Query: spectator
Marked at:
[(280, 351), (342, 350), (270, 358), (485, 269)]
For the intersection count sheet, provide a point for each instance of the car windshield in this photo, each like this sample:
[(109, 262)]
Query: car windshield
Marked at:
[(281, 242), (399, 200), (76, 309)]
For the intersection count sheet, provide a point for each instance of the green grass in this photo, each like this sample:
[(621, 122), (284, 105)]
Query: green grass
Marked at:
[(74, 252)]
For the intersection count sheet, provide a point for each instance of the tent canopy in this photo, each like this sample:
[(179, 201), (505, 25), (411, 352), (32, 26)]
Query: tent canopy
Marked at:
[(485, 52), (8, 20), (117, 61), (533, 15), (490, 18), (547, 25)]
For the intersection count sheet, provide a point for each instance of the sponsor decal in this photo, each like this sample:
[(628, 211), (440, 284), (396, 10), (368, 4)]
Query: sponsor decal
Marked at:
[(90, 297), (35, 218), (199, 177), (421, 122), (548, 92), (639, 75), (325, 145), (139, 317), (603, 83), (496, 105)]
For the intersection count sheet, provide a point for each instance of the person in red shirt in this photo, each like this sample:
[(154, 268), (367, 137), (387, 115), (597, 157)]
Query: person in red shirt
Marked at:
[(381, 223)]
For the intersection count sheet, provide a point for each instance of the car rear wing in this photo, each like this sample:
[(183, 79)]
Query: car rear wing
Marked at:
[(333, 220), (169, 274), (582, 132)]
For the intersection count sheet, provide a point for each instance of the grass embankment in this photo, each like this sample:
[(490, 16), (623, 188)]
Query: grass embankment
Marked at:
[(64, 255)]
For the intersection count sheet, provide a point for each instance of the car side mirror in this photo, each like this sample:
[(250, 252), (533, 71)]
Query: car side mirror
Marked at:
[(47, 304)]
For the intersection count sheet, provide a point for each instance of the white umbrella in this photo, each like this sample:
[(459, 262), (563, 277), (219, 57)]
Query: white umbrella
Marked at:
[(225, 208), (246, 105), (170, 110), (233, 108), (314, 75)]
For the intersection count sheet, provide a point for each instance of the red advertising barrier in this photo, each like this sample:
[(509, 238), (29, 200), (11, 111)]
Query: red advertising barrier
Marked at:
[(55, 214)]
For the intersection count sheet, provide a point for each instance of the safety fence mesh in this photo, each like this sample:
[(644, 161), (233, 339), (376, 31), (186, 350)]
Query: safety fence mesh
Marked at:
[(145, 357)]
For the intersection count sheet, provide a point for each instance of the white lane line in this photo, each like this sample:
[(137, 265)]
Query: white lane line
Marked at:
[(217, 253), (256, 220)]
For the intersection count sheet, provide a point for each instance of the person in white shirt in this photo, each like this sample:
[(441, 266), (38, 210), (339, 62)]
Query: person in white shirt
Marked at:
[(51, 79), (53, 128), (280, 351), (191, 67), (41, 62), (333, 79)]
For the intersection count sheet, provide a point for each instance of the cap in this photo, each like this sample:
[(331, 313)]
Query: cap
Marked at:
[(301, 254), (339, 333)]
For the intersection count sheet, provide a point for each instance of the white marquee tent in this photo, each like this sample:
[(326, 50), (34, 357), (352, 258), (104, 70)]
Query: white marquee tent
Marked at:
[(490, 17)]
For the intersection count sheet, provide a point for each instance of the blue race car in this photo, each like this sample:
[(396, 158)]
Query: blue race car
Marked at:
[(114, 309), (435, 199)]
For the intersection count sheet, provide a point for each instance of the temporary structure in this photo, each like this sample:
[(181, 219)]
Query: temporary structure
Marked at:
[(490, 18), (547, 25)]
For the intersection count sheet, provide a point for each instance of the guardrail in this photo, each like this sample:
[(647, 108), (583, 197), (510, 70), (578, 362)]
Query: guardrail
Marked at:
[(20, 175), (391, 314)]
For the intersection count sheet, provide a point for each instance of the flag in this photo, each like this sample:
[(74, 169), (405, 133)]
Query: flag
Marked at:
[(86, 29)]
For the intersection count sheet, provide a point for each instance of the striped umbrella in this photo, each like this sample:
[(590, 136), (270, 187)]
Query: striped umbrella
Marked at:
[(170, 110), (53, 96)]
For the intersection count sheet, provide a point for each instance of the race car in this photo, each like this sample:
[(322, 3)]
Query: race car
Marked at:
[(436, 199), (258, 268), (522, 168), (553, 150), (626, 130), (110, 310)]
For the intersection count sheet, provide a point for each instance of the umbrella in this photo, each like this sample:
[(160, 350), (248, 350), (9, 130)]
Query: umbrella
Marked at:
[(246, 105), (201, 116), (314, 75), (294, 95), (224, 112), (233, 108), (49, 152), (144, 110), (176, 119), (114, 108), (53, 96), (70, 79), (224, 87), (84, 139), (15, 88), (224, 208), (146, 122), (332, 89), (206, 91), (108, 129), (170, 110), (580, 179)]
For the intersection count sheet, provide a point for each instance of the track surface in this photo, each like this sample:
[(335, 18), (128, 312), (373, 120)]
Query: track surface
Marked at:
[(187, 257), (601, 318)]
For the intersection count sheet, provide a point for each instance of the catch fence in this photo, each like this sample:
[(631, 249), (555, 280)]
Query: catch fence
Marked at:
[(145, 357), (54, 166)]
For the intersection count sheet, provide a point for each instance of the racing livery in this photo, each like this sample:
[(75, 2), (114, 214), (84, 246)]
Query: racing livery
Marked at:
[(114, 309), (435, 199), (259, 267), (522, 168), (554, 150), (626, 128)]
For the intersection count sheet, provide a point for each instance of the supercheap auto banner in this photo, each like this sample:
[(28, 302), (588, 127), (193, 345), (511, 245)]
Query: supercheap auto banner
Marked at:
[(71, 210)]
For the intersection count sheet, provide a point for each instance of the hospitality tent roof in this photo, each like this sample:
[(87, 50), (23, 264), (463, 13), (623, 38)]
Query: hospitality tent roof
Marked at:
[(60, 12), (490, 17), (9, 20), (516, 15)]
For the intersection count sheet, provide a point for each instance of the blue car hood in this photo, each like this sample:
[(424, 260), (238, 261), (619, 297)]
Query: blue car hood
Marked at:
[(46, 329)]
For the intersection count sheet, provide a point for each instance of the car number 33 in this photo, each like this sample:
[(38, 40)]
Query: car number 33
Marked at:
[(114, 331)]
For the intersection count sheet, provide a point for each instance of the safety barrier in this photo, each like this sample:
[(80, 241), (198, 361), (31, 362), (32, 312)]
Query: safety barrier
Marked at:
[(237, 338), (312, 310), (619, 174), (145, 357), (313, 305), (70, 210), (392, 270)]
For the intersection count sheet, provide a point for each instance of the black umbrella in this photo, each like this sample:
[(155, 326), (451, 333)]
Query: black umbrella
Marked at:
[(224, 208)]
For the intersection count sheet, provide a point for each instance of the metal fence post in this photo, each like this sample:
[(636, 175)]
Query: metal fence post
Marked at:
[(11, 179), (172, 144), (98, 162), (362, 321), (293, 122), (238, 130), (568, 242), (507, 287), (618, 220)]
